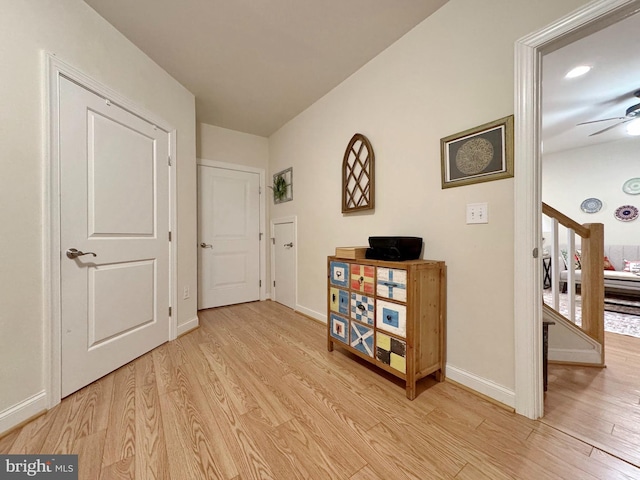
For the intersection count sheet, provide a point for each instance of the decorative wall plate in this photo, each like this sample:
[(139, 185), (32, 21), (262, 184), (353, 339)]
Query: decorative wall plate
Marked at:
[(591, 205), (632, 186), (626, 213)]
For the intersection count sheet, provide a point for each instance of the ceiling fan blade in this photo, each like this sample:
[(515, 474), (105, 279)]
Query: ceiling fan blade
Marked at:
[(601, 120), (611, 127)]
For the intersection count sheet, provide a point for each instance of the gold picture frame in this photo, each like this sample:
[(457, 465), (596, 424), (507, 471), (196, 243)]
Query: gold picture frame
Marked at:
[(480, 154)]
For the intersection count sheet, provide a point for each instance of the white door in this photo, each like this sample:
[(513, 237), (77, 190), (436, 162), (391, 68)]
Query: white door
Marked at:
[(114, 183), (229, 236), (284, 258)]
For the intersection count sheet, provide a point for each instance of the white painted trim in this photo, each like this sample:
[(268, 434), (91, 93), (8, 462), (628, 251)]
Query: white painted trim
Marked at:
[(263, 212), (173, 207), (23, 411), (481, 385), (312, 313), (272, 234), (527, 187), (574, 355), (188, 325), (54, 68)]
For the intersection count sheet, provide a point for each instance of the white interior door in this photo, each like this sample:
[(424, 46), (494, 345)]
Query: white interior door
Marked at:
[(284, 264), (114, 202), (229, 236)]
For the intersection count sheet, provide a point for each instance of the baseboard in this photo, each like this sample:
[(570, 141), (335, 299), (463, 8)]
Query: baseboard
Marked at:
[(312, 313), (23, 411), (188, 326), (482, 385), (575, 356)]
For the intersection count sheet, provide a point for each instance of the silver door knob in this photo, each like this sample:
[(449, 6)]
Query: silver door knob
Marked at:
[(75, 253), (206, 245), (289, 244)]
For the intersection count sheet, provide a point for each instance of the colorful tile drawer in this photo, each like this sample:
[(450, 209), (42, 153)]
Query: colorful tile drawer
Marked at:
[(362, 308), (392, 283), (391, 317), (339, 300), (363, 278), (340, 274), (340, 328), (362, 338), (391, 351)]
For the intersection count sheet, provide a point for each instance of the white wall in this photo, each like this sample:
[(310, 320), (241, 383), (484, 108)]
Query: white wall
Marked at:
[(224, 145), (599, 171), (452, 72), (78, 36)]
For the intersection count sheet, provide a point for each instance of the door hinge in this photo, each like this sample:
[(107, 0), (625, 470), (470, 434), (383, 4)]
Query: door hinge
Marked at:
[(274, 283), (535, 252), (170, 163), (260, 283), (169, 311), (273, 240), (260, 236), (259, 190), (169, 236)]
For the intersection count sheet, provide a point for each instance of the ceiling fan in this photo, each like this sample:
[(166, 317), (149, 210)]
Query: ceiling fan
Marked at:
[(631, 113)]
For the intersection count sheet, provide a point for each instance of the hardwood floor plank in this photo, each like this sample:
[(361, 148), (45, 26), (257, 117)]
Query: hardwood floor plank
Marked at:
[(88, 447), (61, 437), (195, 439), (366, 473), (120, 442), (121, 470), (151, 461), (600, 405), (254, 394)]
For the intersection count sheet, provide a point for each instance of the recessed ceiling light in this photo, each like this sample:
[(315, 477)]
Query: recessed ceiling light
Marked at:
[(633, 127), (578, 71)]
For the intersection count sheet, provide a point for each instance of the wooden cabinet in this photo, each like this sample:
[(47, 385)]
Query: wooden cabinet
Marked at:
[(389, 313)]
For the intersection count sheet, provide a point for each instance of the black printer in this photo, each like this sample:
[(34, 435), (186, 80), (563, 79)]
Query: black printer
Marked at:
[(394, 248)]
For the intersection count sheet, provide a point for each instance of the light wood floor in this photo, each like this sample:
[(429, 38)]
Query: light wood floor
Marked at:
[(600, 405), (253, 393)]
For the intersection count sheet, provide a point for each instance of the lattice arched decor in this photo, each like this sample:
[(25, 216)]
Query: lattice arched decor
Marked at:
[(358, 191)]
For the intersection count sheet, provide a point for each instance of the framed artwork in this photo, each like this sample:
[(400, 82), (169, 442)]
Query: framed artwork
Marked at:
[(283, 186), (358, 175), (480, 154)]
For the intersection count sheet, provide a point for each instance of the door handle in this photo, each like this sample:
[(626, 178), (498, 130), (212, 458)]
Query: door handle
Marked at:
[(290, 244), (206, 245), (75, 253)]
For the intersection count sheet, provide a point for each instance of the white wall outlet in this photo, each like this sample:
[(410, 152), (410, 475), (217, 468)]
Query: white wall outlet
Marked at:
[(477, 213), (185, 293)]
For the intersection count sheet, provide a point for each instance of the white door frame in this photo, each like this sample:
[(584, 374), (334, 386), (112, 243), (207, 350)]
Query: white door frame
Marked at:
[(289, 219), (52, 353), (528, 192), (263, 214)]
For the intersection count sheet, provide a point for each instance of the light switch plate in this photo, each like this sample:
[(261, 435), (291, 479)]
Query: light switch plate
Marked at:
[(477, 213)]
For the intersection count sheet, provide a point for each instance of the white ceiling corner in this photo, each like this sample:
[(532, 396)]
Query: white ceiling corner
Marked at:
[(253, 66)]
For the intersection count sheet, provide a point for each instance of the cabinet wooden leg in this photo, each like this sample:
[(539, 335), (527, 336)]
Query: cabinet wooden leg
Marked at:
[(330, 345), (439, 375), (411, 390)]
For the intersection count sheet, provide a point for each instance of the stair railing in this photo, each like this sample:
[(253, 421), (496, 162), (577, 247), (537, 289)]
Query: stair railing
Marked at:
[(592, 271)]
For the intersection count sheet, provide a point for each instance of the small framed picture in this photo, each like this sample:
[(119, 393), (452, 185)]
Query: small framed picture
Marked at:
[(480, 154)]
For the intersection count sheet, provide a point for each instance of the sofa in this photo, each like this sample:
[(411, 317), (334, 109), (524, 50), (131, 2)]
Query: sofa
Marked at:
[(615, 281)]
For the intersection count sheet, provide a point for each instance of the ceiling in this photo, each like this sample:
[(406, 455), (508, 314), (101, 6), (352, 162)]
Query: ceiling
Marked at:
[(254, 65), (605, 92)]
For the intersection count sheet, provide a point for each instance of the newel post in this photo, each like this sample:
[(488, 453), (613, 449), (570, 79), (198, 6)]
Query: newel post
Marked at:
[(592, 293)]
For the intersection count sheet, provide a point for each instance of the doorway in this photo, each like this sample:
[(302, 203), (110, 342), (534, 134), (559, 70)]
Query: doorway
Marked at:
[(110, 188), (528, 235), (284, 261), (230, 234)]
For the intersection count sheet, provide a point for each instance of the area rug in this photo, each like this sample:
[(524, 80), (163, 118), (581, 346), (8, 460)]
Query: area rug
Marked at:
[(620, 305), (617, 321)]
